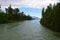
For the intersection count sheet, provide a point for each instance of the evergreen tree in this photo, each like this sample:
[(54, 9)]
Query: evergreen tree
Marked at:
[(12, 15), (51, 17)]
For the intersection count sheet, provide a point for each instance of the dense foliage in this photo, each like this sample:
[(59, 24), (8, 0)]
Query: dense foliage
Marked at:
[(12, 15), (51, 17)]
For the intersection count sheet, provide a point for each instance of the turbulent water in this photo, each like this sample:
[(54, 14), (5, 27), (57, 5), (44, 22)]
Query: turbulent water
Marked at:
[(26, 30)]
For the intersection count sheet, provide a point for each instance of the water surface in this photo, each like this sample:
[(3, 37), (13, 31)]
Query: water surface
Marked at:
[(26, 30)]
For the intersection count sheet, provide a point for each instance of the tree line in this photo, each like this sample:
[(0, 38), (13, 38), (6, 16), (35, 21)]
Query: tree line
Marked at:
[(12, 15), (51, 17)]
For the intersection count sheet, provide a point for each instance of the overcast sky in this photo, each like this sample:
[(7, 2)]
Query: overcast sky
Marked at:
[(31, 7)]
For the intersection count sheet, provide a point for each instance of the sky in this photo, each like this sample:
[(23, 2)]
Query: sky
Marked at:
[(29, 7)]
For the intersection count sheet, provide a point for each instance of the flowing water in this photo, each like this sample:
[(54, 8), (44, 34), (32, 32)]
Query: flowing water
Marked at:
[(26, 30)]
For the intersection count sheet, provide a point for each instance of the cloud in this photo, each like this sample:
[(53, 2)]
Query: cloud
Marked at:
[(27, 3)]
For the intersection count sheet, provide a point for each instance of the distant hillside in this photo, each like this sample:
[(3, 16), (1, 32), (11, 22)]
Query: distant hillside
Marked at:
[(35, 18)]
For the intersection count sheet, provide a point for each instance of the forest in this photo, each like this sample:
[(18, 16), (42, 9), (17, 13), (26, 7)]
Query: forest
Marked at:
[(12, 15), (51, 17)]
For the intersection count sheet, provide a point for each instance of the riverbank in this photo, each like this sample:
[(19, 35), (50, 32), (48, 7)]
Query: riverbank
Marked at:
[(13, 21), (57, 34)]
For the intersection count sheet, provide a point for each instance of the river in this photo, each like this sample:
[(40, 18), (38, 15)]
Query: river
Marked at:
[(26, 30)]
